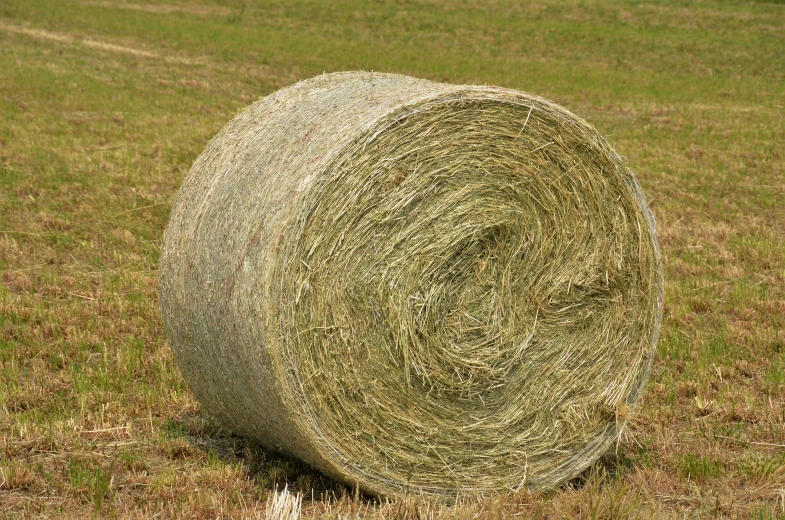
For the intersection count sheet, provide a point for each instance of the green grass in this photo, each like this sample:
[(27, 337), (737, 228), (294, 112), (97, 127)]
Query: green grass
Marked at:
[(105, 104)]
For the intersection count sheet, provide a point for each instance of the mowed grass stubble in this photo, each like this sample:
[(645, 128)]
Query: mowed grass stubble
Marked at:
[(95, 140)]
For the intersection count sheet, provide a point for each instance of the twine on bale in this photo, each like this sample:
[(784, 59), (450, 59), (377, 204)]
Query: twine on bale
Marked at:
[(414, 286)]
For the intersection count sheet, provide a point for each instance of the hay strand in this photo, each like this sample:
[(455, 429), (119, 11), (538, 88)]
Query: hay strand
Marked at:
[(414, 286)]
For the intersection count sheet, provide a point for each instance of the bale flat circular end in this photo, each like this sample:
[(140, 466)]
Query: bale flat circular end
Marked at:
[(413, 286)]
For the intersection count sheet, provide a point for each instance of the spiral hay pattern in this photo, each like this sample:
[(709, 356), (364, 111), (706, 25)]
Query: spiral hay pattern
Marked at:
[(415, 287)]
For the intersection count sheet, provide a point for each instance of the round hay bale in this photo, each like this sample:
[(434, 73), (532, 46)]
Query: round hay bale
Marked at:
[(415, 287)]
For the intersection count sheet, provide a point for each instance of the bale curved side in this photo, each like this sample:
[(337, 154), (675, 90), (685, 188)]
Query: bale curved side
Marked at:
[(413, 285)]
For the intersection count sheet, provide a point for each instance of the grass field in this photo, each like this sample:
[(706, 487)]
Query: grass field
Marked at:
[(105, 104)]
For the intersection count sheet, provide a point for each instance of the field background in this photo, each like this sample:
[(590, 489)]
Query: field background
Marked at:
[(105, 104)]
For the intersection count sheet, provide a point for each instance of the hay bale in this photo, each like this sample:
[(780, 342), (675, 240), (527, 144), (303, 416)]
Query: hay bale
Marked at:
[(414, 286)]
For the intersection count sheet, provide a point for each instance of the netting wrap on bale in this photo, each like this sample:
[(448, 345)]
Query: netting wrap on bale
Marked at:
[(413, 286)]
